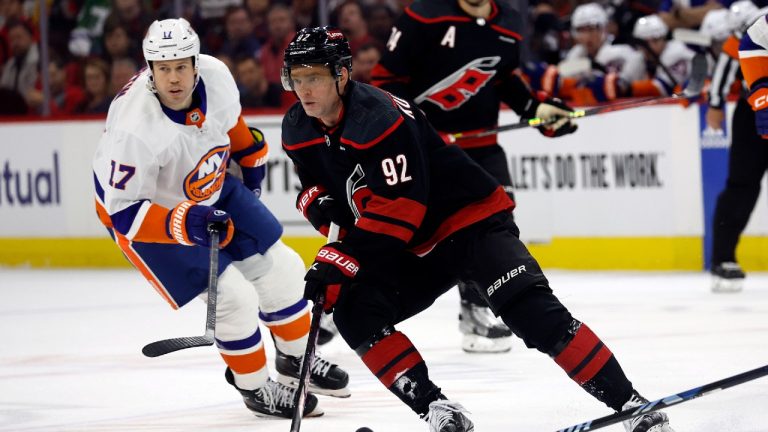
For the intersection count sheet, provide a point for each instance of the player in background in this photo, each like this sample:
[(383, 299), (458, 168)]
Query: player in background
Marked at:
[(593, 42), (160, 174), (747, 157), (418, 215), (457, 60), (668, 61)]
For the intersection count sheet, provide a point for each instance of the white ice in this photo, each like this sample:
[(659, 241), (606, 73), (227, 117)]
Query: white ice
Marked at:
[(71, 359)]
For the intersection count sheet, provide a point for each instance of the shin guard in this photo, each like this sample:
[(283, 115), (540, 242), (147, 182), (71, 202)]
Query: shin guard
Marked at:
[(394, 360), (589, 362)]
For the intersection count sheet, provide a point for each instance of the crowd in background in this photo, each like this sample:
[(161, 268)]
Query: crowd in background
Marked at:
[(94, 46)]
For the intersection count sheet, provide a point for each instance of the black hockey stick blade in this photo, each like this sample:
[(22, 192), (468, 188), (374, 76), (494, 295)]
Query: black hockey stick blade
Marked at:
[(156, 349), (669, 401)]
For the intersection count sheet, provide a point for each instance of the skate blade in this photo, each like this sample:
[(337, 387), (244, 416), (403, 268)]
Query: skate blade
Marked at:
[(720, 285), (475, 344), (294, 383), (317, 412)]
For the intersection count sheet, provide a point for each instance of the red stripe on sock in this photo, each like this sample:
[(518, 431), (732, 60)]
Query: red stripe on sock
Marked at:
[(574, 354), (398, 369), (594, 366), (379, 359)]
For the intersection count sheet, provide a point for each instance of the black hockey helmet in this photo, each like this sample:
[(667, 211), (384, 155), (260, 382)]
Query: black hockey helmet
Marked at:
[(317, 45)]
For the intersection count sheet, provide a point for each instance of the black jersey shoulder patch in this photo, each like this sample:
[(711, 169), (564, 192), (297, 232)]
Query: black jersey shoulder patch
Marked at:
[(371, 116)]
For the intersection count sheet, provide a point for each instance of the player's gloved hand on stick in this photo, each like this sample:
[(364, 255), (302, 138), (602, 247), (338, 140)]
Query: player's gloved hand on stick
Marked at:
[(332, 270), (551, 109), (320, 209), (188, 224), (758, 99)]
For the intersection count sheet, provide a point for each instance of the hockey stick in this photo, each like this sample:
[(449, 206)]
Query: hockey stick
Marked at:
[(309, 354), (691, 92), (166, 346), (669, 401)]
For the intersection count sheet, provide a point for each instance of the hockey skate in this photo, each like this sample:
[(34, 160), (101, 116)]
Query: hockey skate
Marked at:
[(274, 399), (482, 331), (325, 378), (327, 329), (727, 277), (447, 416), (652, 422)]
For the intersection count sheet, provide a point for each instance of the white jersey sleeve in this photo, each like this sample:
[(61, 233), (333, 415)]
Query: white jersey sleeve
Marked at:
[(622, 59), (676, 59)]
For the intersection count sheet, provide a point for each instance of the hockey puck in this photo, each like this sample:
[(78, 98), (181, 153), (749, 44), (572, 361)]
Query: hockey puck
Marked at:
[(364, 429)]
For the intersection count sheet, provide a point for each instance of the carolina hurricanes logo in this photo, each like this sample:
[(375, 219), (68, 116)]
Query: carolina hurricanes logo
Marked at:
[(208, 175), (358, 193), (457, 88)]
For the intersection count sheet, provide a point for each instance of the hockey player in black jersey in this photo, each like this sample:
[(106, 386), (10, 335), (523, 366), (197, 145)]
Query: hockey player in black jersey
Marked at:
[(456, 59), (418, 215)]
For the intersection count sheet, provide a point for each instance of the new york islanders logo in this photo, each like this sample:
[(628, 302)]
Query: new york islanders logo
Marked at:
[(457, 88), (208, 175)]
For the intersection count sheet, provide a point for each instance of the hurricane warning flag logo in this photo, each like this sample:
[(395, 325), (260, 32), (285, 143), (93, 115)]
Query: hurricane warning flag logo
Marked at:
[(457, 88), (208, 175)]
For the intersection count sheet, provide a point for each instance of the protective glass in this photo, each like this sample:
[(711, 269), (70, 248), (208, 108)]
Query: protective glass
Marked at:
[(311, 81)]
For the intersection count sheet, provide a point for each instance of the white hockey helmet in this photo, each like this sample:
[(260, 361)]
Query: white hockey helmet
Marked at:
[(742, 13), (650, 27), (171, 39), (717, 24), (589, 14)]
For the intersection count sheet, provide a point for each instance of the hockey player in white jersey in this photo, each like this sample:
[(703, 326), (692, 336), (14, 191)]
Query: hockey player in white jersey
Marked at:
[(588, 26), (671, 59), (160, 174)]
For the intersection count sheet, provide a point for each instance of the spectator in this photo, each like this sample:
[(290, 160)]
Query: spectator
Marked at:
[(305, 12), (282, 28), (20, 71), (364, 60), (85, 39), (380, 20), (117, 42), (65, 97), (353, 24), (97, 94), (132, 15), (240, 40), (123, 69), (258, 11), (255, 90)]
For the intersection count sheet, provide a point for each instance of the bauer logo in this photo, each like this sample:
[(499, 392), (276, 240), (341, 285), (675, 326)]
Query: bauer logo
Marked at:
[(30, 186), (208, 176), (504, 279)]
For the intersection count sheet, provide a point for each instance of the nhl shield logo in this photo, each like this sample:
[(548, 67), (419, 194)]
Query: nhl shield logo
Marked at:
[(194, 116)]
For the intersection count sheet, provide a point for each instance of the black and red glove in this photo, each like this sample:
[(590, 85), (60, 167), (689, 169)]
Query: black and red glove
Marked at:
[(332, 270), (320, 209)]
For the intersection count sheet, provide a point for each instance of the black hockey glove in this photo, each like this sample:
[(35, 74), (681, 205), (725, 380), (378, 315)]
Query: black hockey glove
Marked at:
[(320, 209), (332, 270), (554, 109)]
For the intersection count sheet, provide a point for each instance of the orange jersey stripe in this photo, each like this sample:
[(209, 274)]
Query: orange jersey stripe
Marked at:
[(240, 137), (246, 363), (754, 68), (135, 259), (153, 228), (293, 330), (256, 159), (731, 47)]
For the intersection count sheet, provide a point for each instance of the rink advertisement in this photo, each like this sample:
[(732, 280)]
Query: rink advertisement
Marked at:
[(624, 192)]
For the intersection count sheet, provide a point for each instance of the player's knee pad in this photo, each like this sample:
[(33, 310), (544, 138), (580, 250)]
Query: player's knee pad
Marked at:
[(277, 276), (537, 317)]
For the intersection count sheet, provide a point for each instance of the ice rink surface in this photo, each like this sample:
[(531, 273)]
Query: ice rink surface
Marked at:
[(72, 359)]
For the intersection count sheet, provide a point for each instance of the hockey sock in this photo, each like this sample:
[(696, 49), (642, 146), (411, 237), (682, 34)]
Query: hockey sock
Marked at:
[(246, 359), (289, 327), (589, 362), (394, 360)]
